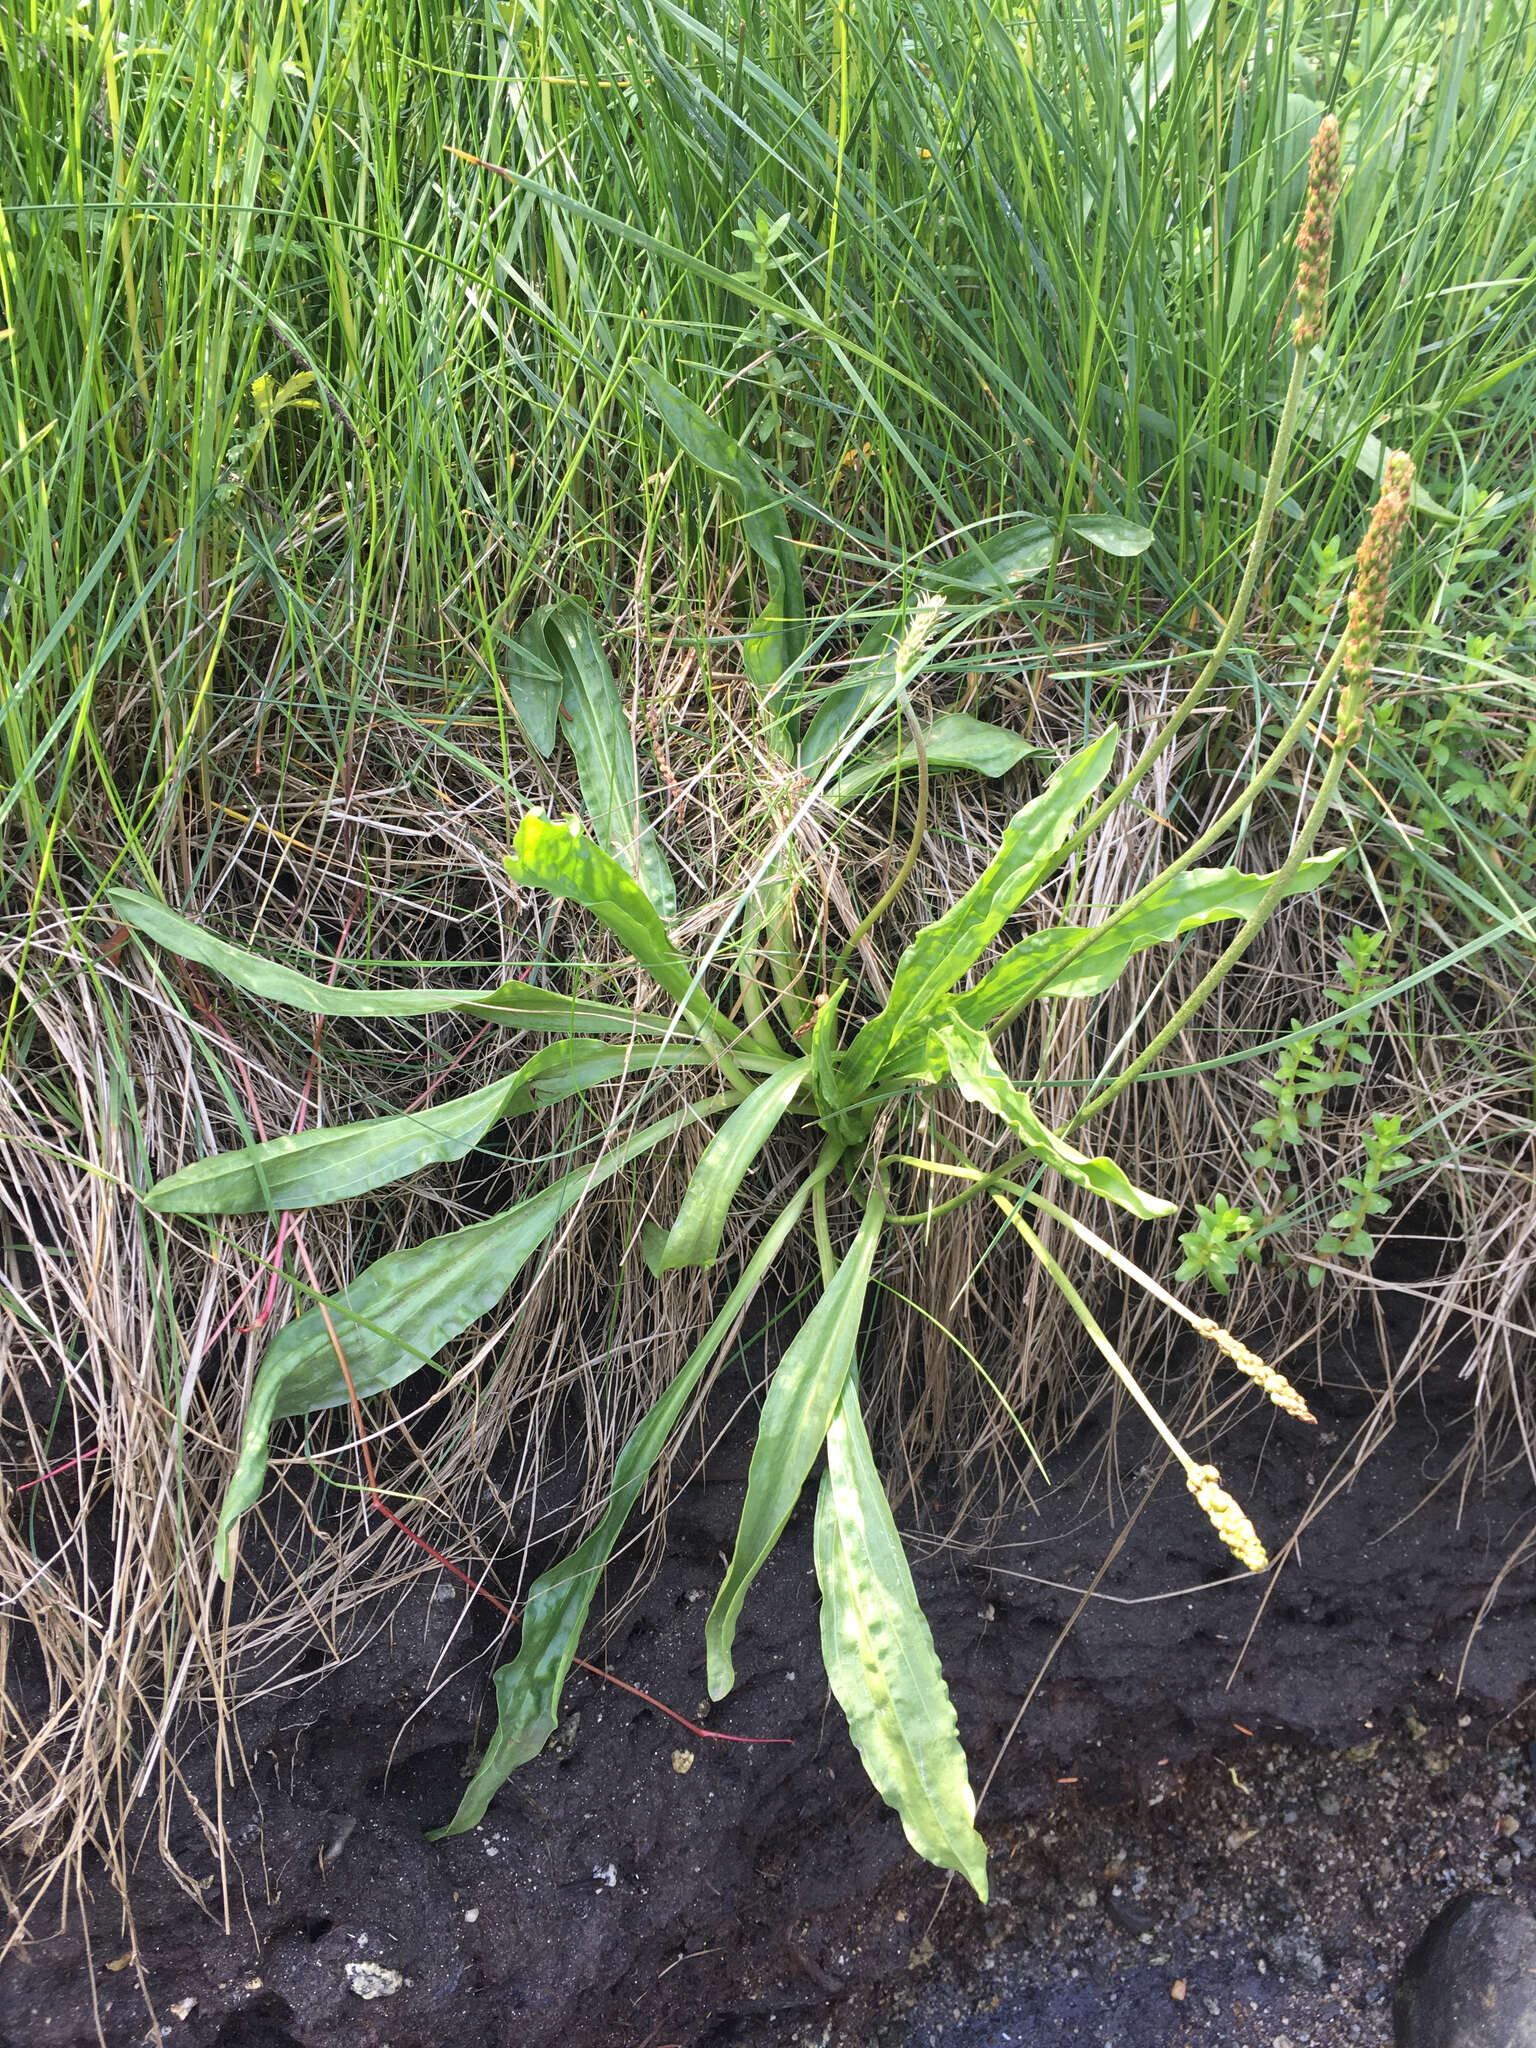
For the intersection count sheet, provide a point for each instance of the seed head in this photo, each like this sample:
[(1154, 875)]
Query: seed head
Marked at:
[(1314, 240), (1275, 1384), (1373, 569), (1232, 1525)]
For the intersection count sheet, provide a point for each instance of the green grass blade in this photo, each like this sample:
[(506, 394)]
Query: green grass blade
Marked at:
[(975, 1072), (802, 1396), (694, 1239), (516, 1004), (401, 1311), (775, 641), (881, 1662)]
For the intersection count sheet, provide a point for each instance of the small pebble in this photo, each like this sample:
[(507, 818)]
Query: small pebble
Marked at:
[(1328, 1802), (472, 1915), (1178, 1990), (372, 1980)]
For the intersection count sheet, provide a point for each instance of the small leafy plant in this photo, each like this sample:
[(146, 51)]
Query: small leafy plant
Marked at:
[(780, 1044)]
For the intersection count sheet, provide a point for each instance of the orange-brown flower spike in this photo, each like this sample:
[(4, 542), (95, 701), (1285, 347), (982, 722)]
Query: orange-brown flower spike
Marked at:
[(1373, 571), (1314, 242)]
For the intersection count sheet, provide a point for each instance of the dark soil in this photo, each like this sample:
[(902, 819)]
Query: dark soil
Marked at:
[(1258, 1820)]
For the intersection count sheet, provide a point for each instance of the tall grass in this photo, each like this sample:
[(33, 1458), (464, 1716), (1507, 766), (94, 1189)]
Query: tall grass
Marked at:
[(319, 334)]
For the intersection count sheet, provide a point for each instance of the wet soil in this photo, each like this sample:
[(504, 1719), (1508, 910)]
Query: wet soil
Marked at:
[(1208, 1788)]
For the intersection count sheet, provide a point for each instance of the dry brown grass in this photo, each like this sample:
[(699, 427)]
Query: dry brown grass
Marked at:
[(130, 1343)]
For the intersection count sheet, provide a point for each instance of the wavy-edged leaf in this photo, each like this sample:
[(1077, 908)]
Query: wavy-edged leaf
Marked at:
[(975, 1072), (801, 1398), (944, 950), (600, 739), (881, 1662), (995, 567), (775, 641), (561, 858), (954, 741), (1200, 896), (694, 1239), (400, 1313), (528, 1689), (1111, 534), (303, 1169), (515, 1003)]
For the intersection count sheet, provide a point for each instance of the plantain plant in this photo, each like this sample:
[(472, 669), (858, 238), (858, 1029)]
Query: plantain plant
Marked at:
[(854, 1076)]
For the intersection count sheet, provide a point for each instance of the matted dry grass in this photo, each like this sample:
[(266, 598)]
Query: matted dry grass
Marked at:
[(131, 1342)]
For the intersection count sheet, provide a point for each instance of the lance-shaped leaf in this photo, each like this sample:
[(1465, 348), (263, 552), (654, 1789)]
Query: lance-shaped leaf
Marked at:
[(528, 1689), (1036, 966), (598, 733), (802, 1396), (953, 741), (878, 1650), (562, 859), (870, 680), (305, 1168), (944, 950), (775, 641), (995, 567), (515, 1003), (976, 1073), (400, 1313), (694, 1239), (533, 681)]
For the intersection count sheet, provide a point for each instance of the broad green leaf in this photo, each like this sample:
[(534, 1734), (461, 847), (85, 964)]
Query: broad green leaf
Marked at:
[(954, 741), (533, 682), (976, 1073), (775, 641), (604, 748), (881, 1662), (305, 1168), (694, 1239), (998, 565), (516, 1003), (944, 950), (802, 1396), (1198, 897), (528, 1689), (401, 1311), (1111, 534), (562, 859)]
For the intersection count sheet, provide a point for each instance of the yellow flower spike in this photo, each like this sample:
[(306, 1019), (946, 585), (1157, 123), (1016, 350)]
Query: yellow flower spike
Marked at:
[(1231, 1524), (1275, 1384)]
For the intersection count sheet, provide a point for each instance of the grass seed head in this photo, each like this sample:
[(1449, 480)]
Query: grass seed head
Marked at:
[(1373, 569), (1314, 241), (1231, 1524), (1275, 1384)]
